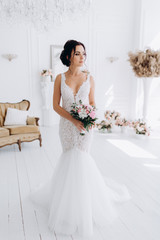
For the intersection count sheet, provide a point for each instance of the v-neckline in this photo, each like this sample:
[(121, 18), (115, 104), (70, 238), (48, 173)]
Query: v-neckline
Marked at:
[(74, 95)]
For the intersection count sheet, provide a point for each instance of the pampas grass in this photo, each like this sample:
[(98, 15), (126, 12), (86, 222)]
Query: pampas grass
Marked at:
[(145, 63)]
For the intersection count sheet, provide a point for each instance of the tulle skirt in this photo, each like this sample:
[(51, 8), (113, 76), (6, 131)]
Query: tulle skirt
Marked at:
[(78, 196)]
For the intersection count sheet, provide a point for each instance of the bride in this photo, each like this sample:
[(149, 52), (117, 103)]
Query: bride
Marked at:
[(78, 197)]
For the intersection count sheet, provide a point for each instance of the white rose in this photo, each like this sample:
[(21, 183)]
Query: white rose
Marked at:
[(82, 114), (140, 129)]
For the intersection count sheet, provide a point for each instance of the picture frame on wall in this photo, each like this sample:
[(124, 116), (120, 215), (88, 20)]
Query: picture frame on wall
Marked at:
[(55, 62)]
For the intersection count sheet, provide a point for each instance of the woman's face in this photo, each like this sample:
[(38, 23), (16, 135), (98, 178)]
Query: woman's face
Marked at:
[(78, 57)]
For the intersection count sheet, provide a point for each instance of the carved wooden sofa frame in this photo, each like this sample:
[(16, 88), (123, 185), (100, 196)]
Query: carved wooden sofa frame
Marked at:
[(16, 134)]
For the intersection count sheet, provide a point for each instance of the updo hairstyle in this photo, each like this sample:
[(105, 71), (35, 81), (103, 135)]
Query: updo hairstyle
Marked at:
[(68, 47)]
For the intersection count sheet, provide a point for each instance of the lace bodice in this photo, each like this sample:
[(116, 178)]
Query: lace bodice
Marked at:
[(69, 134), (67, 93)]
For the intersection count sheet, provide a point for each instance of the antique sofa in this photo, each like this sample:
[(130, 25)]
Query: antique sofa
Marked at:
[(18, 133)]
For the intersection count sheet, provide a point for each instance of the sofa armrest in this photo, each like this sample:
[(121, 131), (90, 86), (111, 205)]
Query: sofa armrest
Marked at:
[(32, 121)]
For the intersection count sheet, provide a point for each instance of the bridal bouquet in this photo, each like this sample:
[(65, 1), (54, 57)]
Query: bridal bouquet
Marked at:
[(84, 113)]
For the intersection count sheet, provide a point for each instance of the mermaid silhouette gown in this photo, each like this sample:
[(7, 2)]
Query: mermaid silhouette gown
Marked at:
[(77, 196)]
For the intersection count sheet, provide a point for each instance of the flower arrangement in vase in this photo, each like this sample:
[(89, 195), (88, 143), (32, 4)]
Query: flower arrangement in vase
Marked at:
[(141, 128), (104, 125), (46, 75), (145, 63), (123, 123), (111, 115)]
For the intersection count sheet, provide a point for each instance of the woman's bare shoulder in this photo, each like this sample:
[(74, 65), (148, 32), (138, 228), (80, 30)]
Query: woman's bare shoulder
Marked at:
[(91, 79), (58, 78)]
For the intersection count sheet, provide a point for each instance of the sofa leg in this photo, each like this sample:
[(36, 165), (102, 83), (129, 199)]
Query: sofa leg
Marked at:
[(40, 140), (19, 144)]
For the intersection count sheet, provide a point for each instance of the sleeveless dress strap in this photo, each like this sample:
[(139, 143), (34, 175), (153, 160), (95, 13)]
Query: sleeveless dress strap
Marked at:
[(88, 79), (62, 77), (62, 81)]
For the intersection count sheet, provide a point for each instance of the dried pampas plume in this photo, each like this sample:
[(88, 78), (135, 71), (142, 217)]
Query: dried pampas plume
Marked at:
[(145, 64)]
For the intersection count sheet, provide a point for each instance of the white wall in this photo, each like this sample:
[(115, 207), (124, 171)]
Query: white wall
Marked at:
[(107, 30), (150, 37), (14, 76), (113, 35), (19, 77)]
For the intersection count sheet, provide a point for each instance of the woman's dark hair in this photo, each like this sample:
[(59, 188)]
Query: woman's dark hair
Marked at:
[(68, 47)]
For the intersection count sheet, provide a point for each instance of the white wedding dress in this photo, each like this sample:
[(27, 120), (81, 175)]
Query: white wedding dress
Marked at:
[(78, 196)]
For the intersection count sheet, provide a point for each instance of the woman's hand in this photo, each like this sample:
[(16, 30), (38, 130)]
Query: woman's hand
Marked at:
[(78, 124)]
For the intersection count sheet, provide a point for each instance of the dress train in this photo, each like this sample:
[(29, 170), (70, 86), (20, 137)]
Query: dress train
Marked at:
[(78, 196)]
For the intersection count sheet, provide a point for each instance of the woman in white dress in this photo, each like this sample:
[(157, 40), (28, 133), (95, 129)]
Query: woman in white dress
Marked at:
[(78, 196)]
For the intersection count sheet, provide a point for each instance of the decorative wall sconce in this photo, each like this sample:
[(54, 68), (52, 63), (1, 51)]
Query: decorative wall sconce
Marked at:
[(10, 56), (112, 59)]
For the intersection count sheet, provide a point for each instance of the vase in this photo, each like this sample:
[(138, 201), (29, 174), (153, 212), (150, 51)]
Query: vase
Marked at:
[(141, 136), (146, 92), (45, 87), (46, 79), (109, 130), (123, 129), (103, 130)]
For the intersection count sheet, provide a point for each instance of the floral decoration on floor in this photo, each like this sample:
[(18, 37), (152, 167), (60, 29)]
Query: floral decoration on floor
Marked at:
[(141, 128), (104, 125), (113, 118), (111, 115), (122, 122)]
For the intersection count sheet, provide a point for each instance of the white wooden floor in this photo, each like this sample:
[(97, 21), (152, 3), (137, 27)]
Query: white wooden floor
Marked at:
[(134, 162)]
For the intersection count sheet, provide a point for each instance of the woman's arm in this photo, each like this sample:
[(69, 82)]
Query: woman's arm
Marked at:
[(56, 100), (92, 90), (91, 95), (56, 104)]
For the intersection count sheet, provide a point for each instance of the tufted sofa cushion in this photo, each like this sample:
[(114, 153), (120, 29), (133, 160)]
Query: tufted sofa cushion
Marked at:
[(21, 129), (4, 132), (23, 105)]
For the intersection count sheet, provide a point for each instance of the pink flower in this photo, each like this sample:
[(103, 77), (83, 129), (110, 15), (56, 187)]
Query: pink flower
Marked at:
[(92, 114), (90, 107), (79, 110)]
